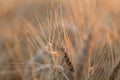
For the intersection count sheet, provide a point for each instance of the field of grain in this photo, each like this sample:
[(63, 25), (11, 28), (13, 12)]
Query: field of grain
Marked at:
[(59, 40)]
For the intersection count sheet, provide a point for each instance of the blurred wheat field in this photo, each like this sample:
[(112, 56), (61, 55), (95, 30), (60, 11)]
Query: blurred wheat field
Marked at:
[(59, 40)]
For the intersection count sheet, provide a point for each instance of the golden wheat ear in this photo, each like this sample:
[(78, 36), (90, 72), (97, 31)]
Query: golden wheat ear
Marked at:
[(54, 52), (82, 62), (106, 63)]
